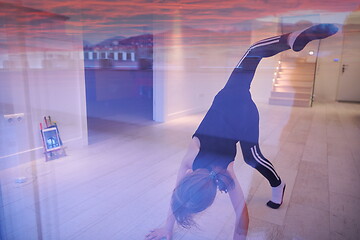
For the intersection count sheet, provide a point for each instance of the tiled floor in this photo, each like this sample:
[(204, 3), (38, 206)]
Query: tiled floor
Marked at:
[(119, 186)]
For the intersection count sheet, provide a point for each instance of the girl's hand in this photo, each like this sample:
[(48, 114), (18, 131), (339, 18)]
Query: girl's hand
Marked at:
[(159, 234)]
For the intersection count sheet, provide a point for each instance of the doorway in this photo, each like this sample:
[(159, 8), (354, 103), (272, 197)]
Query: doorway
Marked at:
[(348, 83), (119, 85)]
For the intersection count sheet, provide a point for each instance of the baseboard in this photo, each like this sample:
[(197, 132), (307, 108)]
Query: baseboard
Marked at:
[(183, 113), (29, 155)]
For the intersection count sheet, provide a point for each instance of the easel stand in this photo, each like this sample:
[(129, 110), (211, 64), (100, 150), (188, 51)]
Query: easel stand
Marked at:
[(55, 154), (53, 146)]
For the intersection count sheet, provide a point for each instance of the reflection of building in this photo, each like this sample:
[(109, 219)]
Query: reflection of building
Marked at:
[(39, 60), (25, 44), (128, 53), (96, 57), (52, 49)]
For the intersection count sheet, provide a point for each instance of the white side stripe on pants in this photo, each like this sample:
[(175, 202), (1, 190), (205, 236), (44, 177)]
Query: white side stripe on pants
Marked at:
[(267, 39), (259, 44), (263, 162)]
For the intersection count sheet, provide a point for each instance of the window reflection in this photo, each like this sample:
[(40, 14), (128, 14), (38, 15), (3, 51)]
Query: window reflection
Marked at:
[(108, 70)]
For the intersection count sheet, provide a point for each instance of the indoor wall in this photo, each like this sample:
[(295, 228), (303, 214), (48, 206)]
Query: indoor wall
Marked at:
[(82, 62)]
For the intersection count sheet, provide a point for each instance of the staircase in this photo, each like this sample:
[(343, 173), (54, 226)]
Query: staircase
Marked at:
[(293, 83)]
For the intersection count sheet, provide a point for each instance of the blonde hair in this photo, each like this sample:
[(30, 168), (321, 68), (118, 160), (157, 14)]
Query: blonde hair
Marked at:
[(196, 192)]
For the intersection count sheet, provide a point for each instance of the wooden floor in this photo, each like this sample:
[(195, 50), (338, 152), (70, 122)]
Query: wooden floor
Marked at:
[(119, 186)]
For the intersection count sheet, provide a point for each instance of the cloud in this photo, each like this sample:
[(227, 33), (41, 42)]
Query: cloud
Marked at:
[(106, 18)]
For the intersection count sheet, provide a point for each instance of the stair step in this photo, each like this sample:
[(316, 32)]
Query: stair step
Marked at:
[(297, 95), (291, 61), (292, 84), (295, 78), (287, 63), (306, 68), (295, 72), (297, 68), (289, 102), (291, 89)]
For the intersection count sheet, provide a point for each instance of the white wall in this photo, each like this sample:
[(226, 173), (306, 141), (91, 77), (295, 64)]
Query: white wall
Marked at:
[(187, 76), (57, 90), (328, 64), (190, 67), (328, 69), (329, 61)]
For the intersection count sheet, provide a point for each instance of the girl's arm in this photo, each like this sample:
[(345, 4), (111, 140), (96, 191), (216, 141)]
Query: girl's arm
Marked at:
[(186, 165), (239, 204)]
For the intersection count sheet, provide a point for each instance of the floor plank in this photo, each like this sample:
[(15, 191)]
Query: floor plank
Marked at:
[(119, 186)]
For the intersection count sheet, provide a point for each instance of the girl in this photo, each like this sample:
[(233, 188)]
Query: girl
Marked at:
[(233, 117)]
